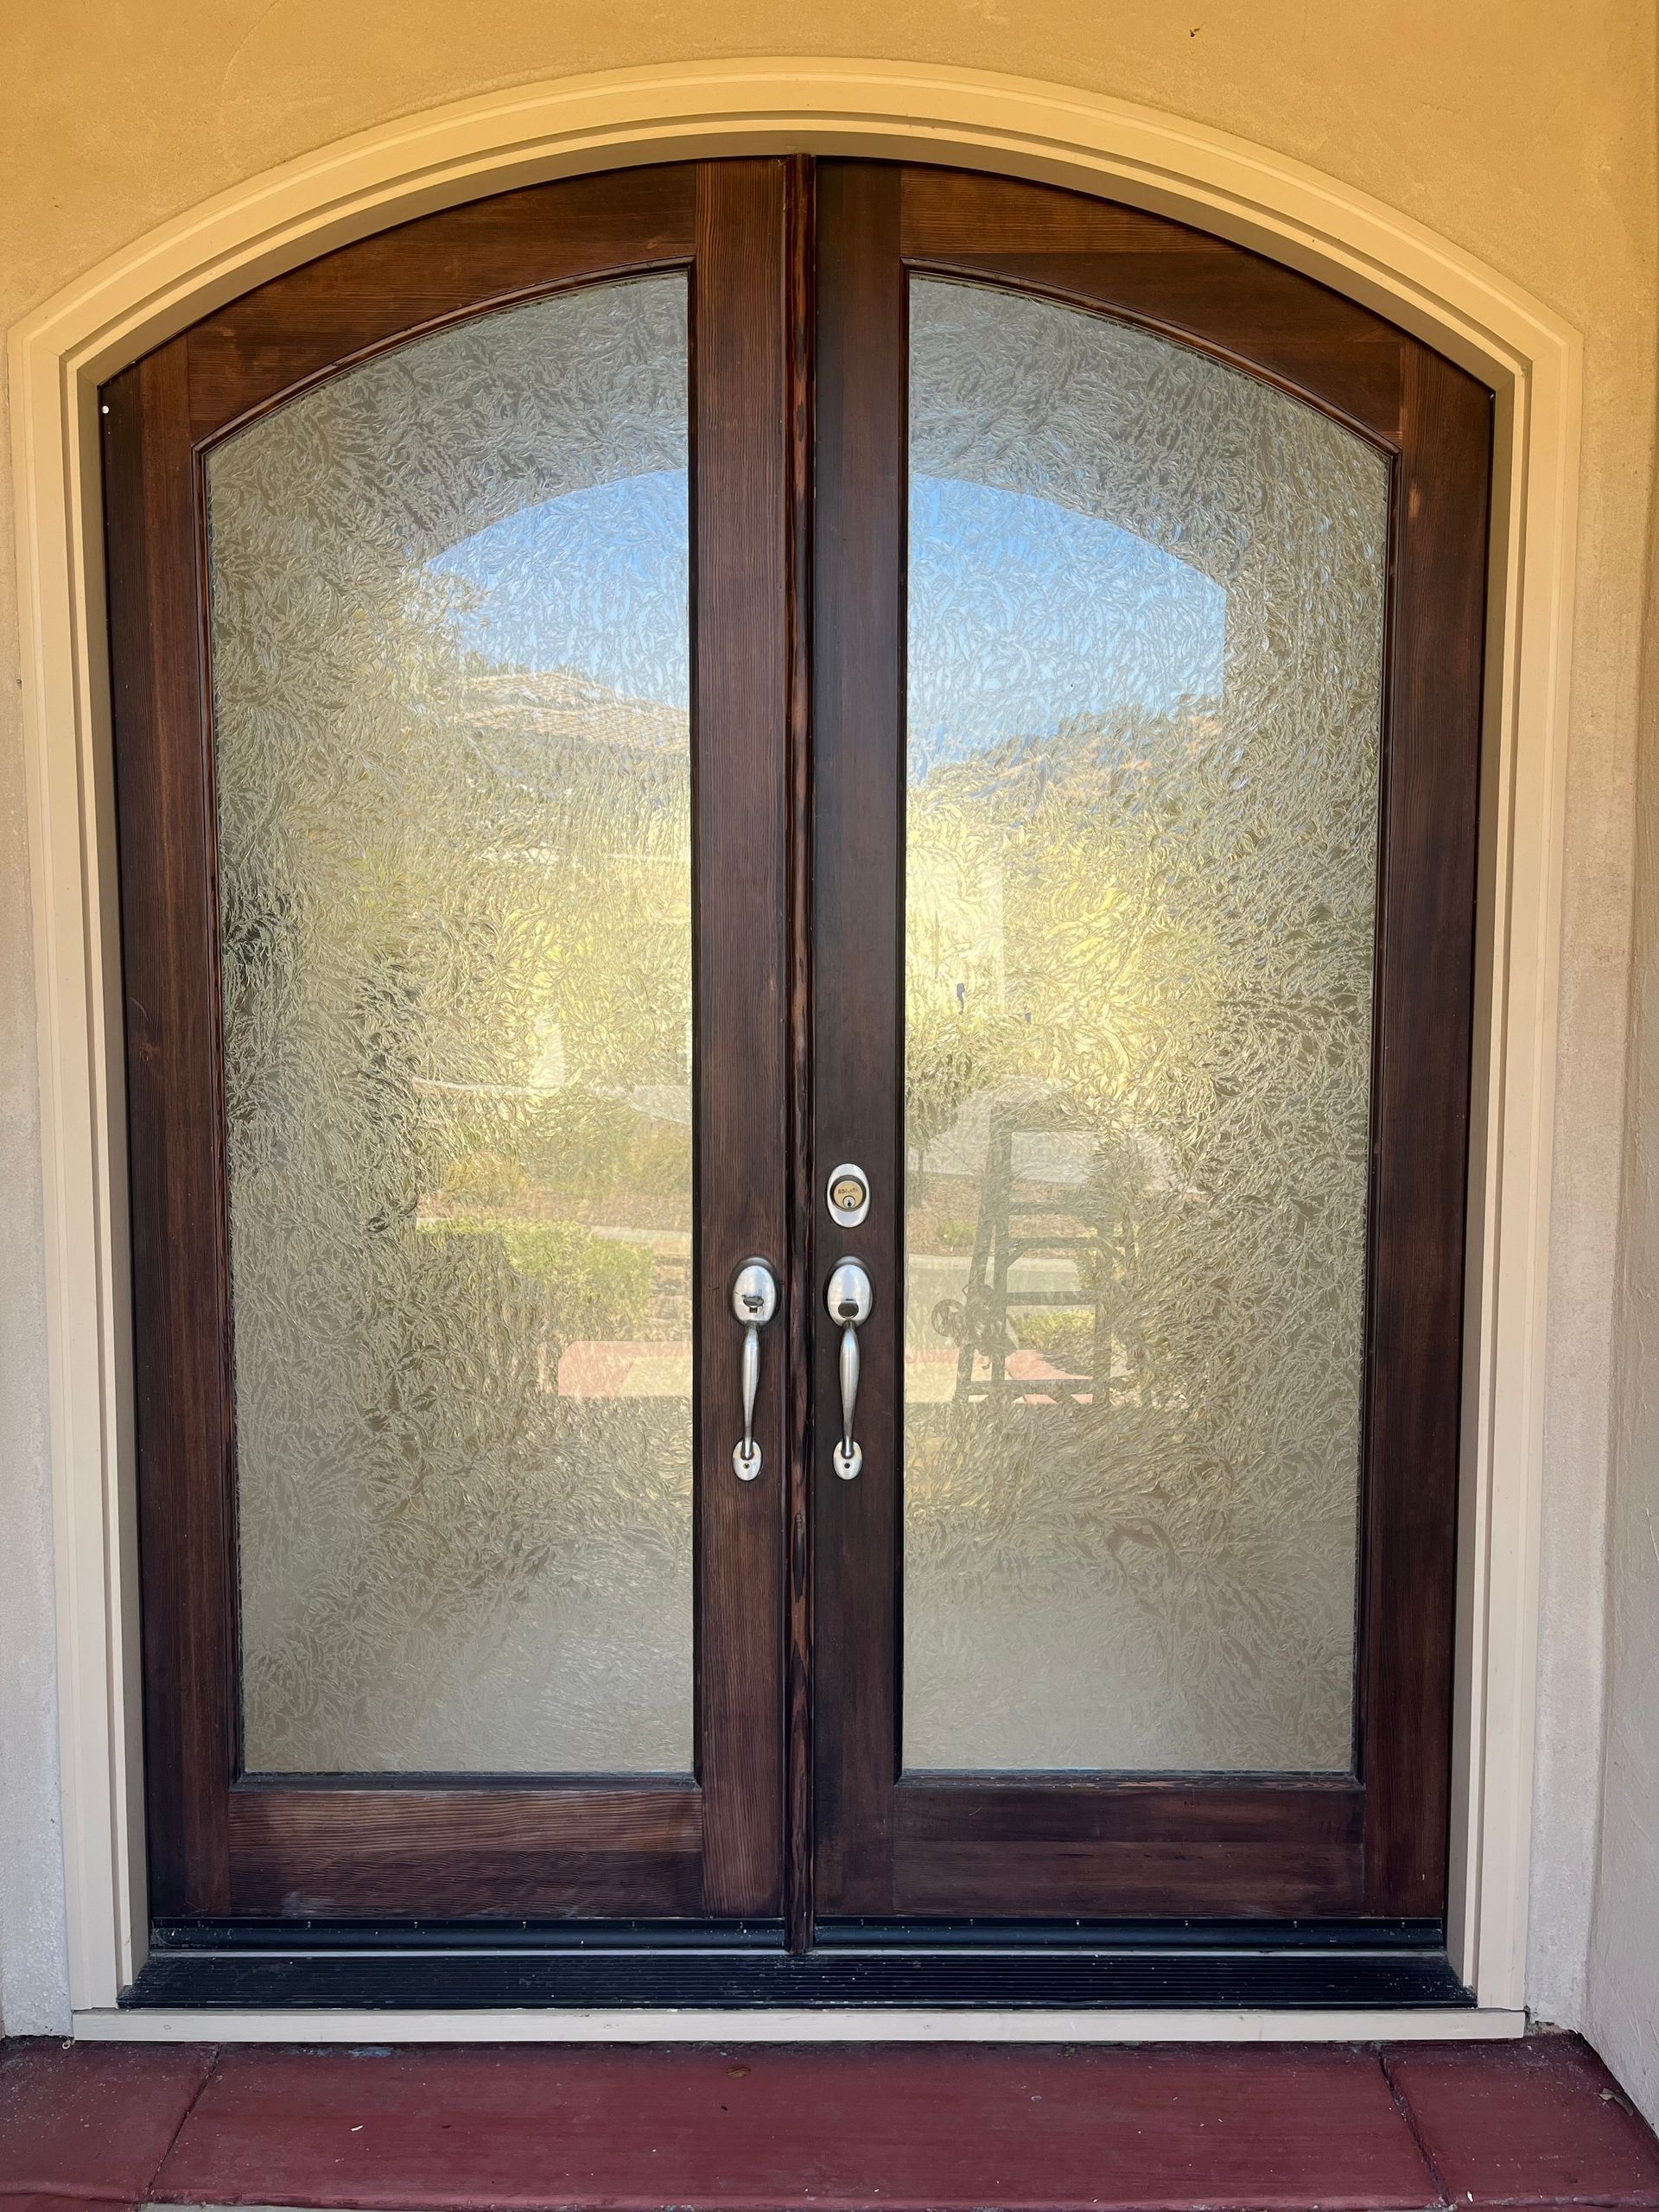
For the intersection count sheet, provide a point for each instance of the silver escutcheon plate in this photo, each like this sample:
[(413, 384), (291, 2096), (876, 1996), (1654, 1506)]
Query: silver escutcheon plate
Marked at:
[(846, 1194), (755, 1300)]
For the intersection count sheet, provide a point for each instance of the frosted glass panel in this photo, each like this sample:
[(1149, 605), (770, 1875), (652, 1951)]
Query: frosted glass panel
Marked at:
[(449, 595), (1145, 622)]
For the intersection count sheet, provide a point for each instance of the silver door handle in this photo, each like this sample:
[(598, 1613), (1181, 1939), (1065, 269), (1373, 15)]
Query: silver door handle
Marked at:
[(755, 1300), (850, 1298)]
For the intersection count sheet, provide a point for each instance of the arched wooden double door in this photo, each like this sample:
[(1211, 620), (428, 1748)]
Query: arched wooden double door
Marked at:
[(798, 854)]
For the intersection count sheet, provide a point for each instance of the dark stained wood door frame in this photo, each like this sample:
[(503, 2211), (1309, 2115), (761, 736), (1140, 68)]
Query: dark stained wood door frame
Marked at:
[(798, 320), (893, 1847), (223, 1843)]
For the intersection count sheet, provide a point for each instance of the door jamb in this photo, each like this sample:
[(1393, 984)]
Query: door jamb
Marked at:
[(150, 290)]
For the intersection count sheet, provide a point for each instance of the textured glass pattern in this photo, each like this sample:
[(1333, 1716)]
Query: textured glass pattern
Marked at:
[(450, 623), (1146, 621)]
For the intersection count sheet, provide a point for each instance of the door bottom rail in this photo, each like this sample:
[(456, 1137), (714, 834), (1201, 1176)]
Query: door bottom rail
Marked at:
[(1050, 1966)]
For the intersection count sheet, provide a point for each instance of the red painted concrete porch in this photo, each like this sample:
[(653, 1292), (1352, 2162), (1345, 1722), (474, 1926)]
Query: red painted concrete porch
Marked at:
[(745, 2129)]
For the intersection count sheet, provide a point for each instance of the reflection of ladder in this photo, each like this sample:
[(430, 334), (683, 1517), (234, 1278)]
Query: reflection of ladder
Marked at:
[(982, 1325)]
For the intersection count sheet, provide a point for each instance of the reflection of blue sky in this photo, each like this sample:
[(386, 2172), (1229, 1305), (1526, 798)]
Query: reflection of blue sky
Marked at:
[(595, 581), (1023, 613)]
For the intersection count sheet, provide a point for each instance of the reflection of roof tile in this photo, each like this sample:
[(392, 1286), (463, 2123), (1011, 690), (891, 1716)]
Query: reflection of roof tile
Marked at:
[(544, 702)]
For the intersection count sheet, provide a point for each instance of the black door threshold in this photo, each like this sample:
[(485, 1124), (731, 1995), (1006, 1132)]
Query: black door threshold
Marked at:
[(1066, 1967)]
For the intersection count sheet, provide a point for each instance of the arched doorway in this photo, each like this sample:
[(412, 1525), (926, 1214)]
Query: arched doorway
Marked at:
[(764, 711)]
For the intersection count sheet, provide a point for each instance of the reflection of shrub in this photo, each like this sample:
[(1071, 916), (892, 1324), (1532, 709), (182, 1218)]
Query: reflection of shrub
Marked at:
[(594, 1285), (1063, 1334), (578, 1141), (487, 1178), (955, 1235), (947, 1058), (659, 1163), (575, 1143)]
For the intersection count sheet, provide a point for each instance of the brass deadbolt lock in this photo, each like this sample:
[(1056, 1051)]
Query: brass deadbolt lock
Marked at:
[(847, 1195)]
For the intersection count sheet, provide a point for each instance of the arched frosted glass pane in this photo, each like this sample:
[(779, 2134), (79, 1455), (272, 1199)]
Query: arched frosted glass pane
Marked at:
[(1145, 674), (450, 666)]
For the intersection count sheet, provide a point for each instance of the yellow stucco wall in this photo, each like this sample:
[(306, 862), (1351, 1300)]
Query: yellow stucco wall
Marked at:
[(1524, 130)]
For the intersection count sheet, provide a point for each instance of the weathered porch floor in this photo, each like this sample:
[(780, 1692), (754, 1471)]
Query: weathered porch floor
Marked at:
[(745, 2129)]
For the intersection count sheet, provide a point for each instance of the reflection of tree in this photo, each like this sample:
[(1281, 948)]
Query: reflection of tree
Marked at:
[(1047, 945), (1142, 964), (514, 866), (553, 818), (456, 947)]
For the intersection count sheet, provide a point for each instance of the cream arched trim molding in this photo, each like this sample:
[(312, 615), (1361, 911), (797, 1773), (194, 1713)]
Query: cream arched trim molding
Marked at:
[(155, 287)]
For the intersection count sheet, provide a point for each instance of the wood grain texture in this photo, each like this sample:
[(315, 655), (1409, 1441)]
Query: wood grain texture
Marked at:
[(858, 675), (332, 311), (216, 1847), (803, 1169), (799, 276), (740, 737), (1221, 298), (1251, 1845), (1423, 1037), (342, 1850), (182, 1408), (1122, 1849)]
